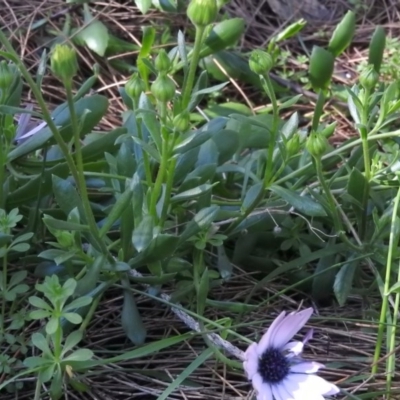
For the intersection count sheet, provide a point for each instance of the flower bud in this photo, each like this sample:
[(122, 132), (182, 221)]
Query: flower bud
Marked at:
[(260, 62), (181, 121), (293, 145), (162, 62), (202, 12), (316, 144), (64, 63), (163, 88), (369, 78), (6, 76), (134, 87), (65, 239)]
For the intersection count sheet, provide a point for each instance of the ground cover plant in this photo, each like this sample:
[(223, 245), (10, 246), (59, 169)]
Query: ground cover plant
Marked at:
[(195, 206)]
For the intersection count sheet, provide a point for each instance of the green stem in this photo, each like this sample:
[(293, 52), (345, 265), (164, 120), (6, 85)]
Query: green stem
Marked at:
[(159, 180), (188, 84), (367, 163), (385, 299), (58, 338), (337, 222), (13, 56), (319, 109), (146, 162), (89, 315), (3, 304), (301, 171), (80, 176), (268, 175)]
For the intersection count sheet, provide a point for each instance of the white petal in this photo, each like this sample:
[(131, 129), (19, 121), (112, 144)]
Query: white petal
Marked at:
[(250, 367), (303, 384), (294, 348), (289, 326), (264, 343), (280, 393), (306, 367), (334, 390), (251, 351), (257, 382), (265, 393), (296, 394)]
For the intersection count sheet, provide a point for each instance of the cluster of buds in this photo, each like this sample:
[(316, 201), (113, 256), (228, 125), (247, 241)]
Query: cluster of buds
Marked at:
[(163, 88)]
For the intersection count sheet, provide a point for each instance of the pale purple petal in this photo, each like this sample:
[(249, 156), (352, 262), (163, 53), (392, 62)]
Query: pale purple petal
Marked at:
[(294, 348), (302, 384), (264, 343), (288, 327), (306, 367), (251, 364), (309, 335), (257, 382), (296, 394), (265, 392), (33, 131)]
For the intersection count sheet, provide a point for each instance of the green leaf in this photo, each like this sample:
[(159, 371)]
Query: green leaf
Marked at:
[(41, 343), (210, 89), (131, 320), (67, 197), (356, 186), (149, 36), (231, 306), (141, 352), (20, 247), (202, 293), (39, 303), (147, 113), (192, 141), (143, 234), (224, 265), (78, 303), (154, 280), (201, 222), (189, 370), (58, 224), (17, 277), (97, 106), (192, 193), (47, 374), (344, 281), (161, 247), (251, 195), (290, 31), (291, 126), (322, 285), (79, 355), (5, 239), (95, 36), (72, 340), (303, 204), (52, 326), (143, 5), (118, 208), (89, 280), (74, 318)]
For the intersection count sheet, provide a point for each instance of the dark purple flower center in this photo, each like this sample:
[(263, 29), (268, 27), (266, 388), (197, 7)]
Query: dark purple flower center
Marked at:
[(273, 366)]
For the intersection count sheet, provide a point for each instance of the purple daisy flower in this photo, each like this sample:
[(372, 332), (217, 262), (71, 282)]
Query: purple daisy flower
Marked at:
[(275, 367)]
